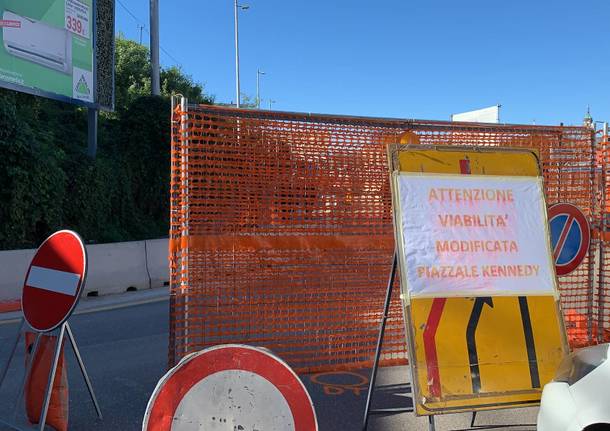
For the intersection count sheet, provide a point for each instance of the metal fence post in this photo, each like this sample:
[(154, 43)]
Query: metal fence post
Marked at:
[(591, 251), (184, 252), (603, 230)]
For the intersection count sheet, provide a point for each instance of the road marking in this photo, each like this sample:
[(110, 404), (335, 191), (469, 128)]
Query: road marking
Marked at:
[(434, 319), (471, 328), (332, 388), (528, 332)]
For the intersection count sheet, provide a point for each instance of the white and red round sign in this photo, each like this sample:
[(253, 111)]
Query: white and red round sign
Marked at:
[(54, 281), (230, 387)]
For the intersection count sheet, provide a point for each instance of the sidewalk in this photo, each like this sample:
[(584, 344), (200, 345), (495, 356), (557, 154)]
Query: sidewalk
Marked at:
[(100, 303)]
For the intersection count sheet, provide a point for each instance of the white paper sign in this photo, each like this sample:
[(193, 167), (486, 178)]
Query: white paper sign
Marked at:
[(473, 235)]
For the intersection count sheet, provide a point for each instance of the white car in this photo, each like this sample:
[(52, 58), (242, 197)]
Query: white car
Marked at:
[(578, 399)]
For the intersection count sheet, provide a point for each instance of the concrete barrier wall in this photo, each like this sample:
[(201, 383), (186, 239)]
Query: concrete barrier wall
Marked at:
[(113, 268), (13, 266), (158, 265)]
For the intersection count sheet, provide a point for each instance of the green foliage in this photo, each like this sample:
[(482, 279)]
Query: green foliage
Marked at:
[(132, 72), (32, 184), (247, 102), (174, 81), (48, 183), (132, 78), (145, 125)]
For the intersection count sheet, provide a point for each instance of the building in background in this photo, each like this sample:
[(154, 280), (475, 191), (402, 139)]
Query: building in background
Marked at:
[(484, 115)]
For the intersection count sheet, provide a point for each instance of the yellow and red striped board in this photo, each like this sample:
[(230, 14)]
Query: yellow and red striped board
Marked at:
[(477, 351)]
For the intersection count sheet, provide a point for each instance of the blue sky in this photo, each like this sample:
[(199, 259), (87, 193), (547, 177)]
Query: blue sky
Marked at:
[(544, 61)]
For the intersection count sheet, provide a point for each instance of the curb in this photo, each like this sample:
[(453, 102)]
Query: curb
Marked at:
[(10, 312), (8, 306)]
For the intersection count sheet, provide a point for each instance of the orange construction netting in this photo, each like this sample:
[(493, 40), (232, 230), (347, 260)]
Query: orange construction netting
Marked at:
[(599, 328), (281, 231)]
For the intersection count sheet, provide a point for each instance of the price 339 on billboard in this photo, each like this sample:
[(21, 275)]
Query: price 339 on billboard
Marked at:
[(77, 18)]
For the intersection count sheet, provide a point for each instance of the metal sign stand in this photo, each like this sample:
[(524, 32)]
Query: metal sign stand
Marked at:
[(371, 388), (64, 330), (384, 318)]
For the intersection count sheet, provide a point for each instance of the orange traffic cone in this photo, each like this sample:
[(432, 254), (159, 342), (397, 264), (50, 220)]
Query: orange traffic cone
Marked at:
[(36, 383)]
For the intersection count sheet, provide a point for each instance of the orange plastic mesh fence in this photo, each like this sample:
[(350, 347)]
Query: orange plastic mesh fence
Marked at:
[(600, 326), (281, 230)]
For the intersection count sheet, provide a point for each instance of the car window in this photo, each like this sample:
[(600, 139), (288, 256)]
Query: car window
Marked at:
[(580, 363)]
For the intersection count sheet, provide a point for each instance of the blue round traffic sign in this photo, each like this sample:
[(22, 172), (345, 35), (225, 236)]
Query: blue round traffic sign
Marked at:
[(570, 237)]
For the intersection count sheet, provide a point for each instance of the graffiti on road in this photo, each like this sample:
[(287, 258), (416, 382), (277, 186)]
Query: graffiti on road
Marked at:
[(338, 382)]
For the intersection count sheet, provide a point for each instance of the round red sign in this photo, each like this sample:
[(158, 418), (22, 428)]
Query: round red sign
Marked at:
[(54, 281), (233, 387), (570, 236)]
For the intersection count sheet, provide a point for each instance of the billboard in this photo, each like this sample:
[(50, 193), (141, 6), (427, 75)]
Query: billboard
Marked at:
[(48, 49), (484, 115)]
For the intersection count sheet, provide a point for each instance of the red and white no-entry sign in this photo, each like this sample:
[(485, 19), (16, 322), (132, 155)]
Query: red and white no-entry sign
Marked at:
[(54, 281), (230, 387)]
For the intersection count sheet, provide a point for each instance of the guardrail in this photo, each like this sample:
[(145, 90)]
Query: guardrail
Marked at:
[(113, 268)]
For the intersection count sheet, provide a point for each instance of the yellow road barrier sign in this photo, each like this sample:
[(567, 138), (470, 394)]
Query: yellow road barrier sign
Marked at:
[(477, 278)]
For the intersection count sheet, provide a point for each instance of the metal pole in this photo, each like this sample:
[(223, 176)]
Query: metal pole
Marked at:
[(92, 132), (602, 248), (591, 252), (81, 364), (258, 94), (431, 424), (154, 47), (10, 356), (237, 96), (184, 255), (47, 397), (386, 309)]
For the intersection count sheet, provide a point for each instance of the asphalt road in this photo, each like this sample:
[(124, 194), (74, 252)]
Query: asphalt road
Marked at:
[(125, 351)]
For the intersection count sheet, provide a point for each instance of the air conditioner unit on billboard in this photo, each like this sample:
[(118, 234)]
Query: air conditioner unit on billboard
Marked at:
[(38, 42)]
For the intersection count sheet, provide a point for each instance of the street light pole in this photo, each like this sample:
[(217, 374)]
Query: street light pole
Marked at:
[(237, 6), (236, 58), (154, 47), (258, 94), (270, 102)]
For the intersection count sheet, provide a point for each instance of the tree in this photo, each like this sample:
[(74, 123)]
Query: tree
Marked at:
[(132, 77), (174, 81), (131, 72)]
